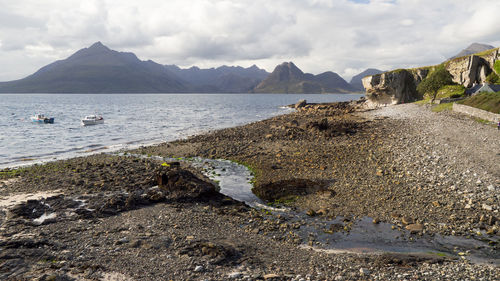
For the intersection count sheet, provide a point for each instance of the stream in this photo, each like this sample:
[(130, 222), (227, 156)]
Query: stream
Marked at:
[(363, 236), (329, 235)]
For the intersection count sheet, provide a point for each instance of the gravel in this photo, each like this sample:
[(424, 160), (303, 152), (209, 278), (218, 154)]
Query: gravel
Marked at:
[(437, 173)]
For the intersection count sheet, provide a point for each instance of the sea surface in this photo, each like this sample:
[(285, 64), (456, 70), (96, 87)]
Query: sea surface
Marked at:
[(131, 120)]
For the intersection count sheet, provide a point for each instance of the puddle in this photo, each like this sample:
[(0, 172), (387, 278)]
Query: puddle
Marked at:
[(366, 237)]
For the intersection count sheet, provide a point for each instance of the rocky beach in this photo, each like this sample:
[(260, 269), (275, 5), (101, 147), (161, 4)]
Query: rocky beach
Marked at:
[(413, 173)]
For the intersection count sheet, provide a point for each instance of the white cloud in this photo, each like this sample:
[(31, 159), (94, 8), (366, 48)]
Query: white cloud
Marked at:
[(345, 36)]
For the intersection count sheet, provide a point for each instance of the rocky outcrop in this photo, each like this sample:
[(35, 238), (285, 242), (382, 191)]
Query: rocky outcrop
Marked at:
[(356, 80), (399, 86), (473, 69)]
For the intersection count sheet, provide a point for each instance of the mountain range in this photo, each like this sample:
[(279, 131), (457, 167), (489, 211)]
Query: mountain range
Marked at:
[(98, 69), (288, 78), (224, 79)]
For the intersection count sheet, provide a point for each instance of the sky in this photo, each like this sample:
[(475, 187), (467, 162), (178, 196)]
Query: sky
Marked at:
[(343, 36)]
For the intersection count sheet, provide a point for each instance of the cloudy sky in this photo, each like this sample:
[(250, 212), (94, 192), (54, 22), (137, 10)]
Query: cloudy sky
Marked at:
[(344, 36)]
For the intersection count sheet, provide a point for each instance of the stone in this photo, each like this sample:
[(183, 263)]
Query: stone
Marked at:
[(199, 268), (300, 104), (182, 184), (491, 188), (311, 213), (364, 271), (234, 275), (271, 276), (406, 220), (415, 227), (487, 207)]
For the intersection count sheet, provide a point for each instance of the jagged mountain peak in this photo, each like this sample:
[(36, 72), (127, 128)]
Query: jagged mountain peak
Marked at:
[(288, 78)]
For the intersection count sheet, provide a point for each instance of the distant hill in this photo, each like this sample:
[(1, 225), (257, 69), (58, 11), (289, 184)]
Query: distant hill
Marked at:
[(356, 79), (97, 69), (472, 49), (224, 79), (288, 78)]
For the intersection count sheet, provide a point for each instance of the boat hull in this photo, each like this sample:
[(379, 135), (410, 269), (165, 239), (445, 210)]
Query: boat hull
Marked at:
[(91, 122), (43, 121)]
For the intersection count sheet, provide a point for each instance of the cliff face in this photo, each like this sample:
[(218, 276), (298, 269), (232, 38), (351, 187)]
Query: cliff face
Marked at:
[(400, 86), (473, 69)]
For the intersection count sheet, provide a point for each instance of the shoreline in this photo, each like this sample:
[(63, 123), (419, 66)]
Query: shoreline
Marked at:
[(69, 151), (354, 164)]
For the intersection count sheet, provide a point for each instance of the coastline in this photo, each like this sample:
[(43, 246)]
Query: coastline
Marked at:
[(392, 164)]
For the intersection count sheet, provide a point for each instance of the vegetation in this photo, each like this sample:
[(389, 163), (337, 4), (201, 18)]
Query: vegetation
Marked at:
[(485, 101), (496, 67), (450, 91), (437, 79), (424, 101), (485, 53), (493, 78), (11, 173), (442, 107)]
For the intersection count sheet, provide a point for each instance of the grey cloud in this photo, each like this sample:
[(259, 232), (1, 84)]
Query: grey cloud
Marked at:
[(338, 35)]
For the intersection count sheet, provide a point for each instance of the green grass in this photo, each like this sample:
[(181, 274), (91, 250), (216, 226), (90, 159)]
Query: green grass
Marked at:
[(423, 102), (485, 53), (450, 91), (442, 107), (496, 67), (485, 101), (493, 78)]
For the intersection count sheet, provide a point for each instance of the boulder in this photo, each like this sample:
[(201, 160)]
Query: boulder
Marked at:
[(181, 184), (300, 104)]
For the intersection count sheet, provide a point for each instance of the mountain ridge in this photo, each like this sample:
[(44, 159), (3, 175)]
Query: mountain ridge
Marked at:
[(98, 69), (473, 48), (288, 78), (356, 80)]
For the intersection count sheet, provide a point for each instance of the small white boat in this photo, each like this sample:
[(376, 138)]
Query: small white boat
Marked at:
[(92, 120), (40, 118)]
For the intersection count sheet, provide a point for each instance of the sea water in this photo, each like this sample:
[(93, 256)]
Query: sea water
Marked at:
[(131, 120)]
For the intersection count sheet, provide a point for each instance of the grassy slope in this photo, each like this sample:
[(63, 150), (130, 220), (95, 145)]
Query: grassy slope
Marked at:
[(486, 101)]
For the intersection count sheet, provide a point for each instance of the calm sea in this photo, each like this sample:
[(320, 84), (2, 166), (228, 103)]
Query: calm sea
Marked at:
[(131, 120)]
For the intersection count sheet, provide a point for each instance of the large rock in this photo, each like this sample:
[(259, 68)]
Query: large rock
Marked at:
[(399, 86), (467, 71), (182, 184)]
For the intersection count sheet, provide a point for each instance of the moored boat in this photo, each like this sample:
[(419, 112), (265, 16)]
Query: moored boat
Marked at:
[(92, 120), (40, 118)]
